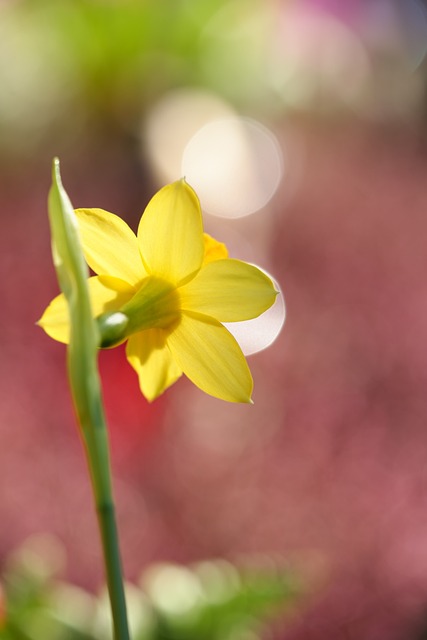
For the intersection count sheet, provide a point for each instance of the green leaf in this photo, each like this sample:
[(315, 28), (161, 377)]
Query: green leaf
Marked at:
[(69, 261), (85, 384), (72, 275)]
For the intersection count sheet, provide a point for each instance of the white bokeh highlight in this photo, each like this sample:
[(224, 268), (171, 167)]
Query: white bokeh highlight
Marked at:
[(172, 122), (258, 334), (235, 165)]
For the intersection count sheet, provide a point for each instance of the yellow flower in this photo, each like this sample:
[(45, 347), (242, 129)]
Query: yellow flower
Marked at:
[(167, 291)]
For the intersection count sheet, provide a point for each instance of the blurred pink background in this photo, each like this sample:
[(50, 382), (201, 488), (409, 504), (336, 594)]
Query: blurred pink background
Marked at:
[(329, 467)]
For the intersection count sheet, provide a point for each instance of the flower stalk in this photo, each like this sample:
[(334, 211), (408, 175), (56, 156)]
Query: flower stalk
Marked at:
[(83, 375)]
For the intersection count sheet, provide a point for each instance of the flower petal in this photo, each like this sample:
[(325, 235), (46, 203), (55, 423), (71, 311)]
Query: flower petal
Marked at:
[(170, 233), (211, 358), (229, 290), (110, 246), (214, 250), (106, 294), (55, 319), (149, 355)]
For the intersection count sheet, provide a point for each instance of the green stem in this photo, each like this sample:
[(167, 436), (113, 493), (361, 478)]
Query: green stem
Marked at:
[(107, 524), (97, 454)]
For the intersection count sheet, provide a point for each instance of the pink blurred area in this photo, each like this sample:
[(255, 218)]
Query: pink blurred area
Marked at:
[(328, 468)]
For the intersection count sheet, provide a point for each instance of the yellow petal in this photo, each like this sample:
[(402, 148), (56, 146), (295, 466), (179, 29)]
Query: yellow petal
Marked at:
[(170, 233), (211, 358), (214, 250), (106, 294), (110, 246), (55, 319), (229, 290), (149, 355)]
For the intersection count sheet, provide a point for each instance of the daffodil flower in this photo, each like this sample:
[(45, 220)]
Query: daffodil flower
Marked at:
[(167, 291)]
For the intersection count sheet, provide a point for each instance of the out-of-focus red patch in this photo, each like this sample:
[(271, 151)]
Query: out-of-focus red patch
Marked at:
[(132, 421)]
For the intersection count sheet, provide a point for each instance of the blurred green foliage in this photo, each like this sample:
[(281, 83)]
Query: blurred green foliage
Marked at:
[(76, 68), (211, 600)]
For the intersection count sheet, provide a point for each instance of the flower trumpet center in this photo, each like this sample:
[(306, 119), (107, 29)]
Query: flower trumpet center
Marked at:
[(155, 305)]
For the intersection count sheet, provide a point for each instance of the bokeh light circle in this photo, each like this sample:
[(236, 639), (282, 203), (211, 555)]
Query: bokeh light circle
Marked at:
[(235, 165), (318, 60), (258, 334), (399, 27), (413, 17), (172, 122)]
